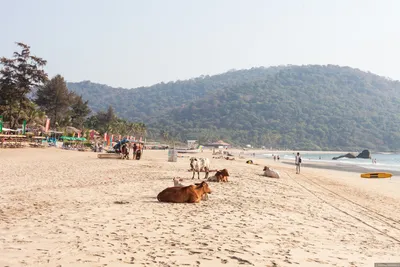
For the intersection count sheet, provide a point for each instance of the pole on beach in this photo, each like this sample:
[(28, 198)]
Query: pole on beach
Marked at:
[(24, 127)]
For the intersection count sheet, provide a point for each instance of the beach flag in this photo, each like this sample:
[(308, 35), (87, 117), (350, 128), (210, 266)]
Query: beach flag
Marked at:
[(105, 137), (47, 125), (111, 139), (1, 124), (119, 138), (92, 134), (24, 127), (79, 134)]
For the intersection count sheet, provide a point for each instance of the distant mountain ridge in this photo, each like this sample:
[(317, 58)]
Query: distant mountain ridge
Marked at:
[(294, 107)]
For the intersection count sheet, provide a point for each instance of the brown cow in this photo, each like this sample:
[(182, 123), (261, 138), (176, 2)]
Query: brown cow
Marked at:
[(186, 194), (220, 176)]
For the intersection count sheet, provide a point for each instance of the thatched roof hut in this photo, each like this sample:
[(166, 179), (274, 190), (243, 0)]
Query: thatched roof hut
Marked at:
[(70, 129)]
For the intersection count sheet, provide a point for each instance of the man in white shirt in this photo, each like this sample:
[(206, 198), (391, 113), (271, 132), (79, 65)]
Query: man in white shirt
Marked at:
[(298, 163)]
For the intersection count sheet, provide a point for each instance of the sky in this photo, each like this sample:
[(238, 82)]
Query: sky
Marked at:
[(132, 43)]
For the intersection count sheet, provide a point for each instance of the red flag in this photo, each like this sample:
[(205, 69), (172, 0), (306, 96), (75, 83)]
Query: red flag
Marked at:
[(47, 128), (105, 137), (79, 134), (91, 134)]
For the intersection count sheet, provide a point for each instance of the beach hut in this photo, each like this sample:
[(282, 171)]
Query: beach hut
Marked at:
[(219, 144), (192, 143), (72, 130)]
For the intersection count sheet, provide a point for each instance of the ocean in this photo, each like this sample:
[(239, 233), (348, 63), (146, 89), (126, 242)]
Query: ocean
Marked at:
[(384, 161)]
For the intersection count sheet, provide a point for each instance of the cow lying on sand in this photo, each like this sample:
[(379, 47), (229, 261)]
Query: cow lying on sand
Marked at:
[(220, 176), (185, 194), (198, 164), (269, 172), (178, 183)]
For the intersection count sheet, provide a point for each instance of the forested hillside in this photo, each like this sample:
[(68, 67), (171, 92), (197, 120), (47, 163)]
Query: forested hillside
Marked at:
[(294, 107)]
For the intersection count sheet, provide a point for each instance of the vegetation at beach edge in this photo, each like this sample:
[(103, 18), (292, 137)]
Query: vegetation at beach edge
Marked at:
[(27, 94)]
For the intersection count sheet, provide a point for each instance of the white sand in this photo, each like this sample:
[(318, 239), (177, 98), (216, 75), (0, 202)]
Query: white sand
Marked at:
[(57, 209)]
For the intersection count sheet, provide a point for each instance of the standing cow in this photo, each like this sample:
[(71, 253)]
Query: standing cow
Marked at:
[(198, 164)]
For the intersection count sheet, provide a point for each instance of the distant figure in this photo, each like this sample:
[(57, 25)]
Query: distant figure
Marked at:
[(298, 163), (274, 158), (139, 152), (278, 158), (134, 150)]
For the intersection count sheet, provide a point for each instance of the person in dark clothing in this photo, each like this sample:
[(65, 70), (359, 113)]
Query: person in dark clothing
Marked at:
[(134, 150), (138, 152)]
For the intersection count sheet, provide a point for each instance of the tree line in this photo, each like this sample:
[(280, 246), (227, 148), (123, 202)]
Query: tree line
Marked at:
[(27, 94), (309, 107)]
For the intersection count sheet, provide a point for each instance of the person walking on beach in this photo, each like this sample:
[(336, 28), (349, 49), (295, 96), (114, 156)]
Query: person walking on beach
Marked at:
[(298, 163), (134, 150)]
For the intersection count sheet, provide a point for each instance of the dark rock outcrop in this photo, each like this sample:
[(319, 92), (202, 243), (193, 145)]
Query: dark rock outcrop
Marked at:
[(348, 155), (365, 154)]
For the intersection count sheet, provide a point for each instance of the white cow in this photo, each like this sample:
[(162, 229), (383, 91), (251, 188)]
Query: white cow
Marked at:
[(198, 164), (178, 182), (269, 172)]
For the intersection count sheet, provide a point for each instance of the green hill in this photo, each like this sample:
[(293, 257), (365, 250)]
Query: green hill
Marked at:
[(294, 107)]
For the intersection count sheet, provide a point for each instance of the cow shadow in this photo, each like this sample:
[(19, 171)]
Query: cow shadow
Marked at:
[(151, 201)]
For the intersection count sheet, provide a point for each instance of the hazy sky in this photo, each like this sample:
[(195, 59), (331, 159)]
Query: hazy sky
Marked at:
[(131, 43)]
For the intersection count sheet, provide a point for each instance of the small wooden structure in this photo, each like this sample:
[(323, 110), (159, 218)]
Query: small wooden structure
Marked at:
[(12, 141), (37, 141), (109, 156)]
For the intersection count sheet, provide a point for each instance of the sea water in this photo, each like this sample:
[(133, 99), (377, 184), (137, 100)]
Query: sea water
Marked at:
[(384, 161)]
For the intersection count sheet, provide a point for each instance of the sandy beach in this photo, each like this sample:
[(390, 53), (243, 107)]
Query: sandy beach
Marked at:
[(68, 208)]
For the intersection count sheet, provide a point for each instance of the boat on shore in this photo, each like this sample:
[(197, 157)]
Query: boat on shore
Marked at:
[(188, 150), (376, 175)]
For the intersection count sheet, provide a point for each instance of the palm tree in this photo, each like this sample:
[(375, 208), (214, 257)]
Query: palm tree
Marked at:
[(35, 117)]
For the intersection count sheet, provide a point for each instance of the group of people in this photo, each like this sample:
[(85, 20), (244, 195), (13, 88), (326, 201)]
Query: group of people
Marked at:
[(137, 151), (124, 146)]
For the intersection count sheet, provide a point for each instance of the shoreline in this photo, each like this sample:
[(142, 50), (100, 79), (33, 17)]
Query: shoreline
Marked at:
[(342, 167)]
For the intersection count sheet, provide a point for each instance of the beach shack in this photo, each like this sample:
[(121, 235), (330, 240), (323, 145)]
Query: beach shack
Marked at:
[(70, 142), (53, 136), (219, 144), (192, 144)]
